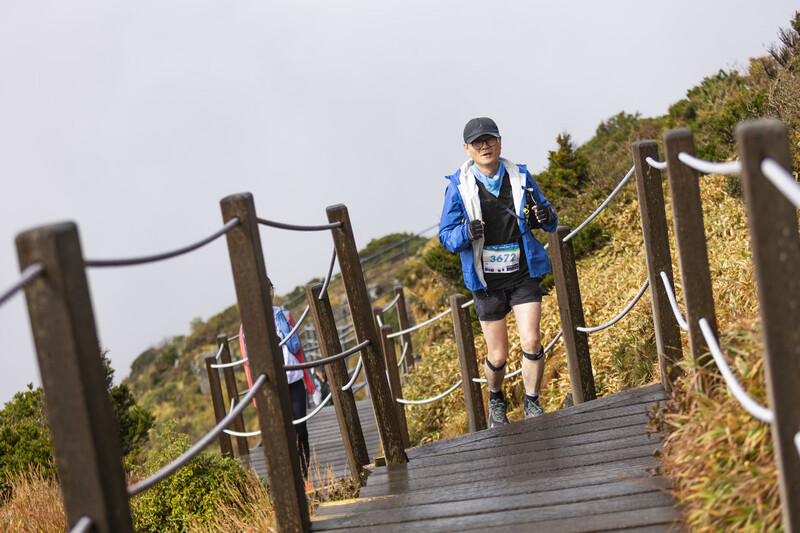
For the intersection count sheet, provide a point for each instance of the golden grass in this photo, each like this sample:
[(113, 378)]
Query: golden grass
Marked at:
[(35, 505)]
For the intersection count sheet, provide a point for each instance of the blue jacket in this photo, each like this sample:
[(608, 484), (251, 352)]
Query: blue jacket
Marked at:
[(462, 204)]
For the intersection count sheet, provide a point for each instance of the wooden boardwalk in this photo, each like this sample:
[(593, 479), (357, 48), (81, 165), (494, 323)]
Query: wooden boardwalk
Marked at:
[(327, 450), (584, 468)]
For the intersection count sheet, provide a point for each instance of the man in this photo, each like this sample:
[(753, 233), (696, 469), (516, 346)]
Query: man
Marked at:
[(490, 207)]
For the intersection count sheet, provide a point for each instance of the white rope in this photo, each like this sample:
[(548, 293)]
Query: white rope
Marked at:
[(315, 411), (797, 442), (302, 317), (409, 330), (752, 407), (403, 357), (355, 374), (229, 365), (464, 306), (242, 434), (782, 180), (429, 400), (710, 167), (219, 353), (661, 165), (514, 373), (378, 319), (231, 339), (83, 525), (602, 206), (388, 307), (671, 296), (619, 316)]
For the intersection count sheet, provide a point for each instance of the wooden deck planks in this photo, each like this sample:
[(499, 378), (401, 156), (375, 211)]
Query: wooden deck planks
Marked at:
[(585, 468), (328, 456)]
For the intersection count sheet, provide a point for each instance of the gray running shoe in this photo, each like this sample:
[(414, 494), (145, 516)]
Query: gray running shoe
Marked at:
[(532, 408), (497, 413)]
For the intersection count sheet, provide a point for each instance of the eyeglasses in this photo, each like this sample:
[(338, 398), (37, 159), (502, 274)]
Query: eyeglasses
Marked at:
[(490, 142)]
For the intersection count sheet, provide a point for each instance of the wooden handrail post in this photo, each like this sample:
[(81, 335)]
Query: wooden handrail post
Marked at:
[(393, 375), (343, 401), (656, 244), (570, 307), (77, 403), (265, 357), (402, 319), (374, 367), (772, 220), (468, 361), (687, 218), (218, 402), (233, 393)]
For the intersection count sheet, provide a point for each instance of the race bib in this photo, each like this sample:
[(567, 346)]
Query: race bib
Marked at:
[(501, 258)]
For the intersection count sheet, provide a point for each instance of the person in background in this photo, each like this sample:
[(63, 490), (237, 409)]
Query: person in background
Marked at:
[(490, 207), (300, 382), (323, 388)]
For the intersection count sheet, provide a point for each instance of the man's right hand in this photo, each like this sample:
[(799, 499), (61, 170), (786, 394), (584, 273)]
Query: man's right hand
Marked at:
[(474, 230)]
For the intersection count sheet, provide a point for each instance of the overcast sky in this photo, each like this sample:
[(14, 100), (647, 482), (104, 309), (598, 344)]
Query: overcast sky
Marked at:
[(134, 118)]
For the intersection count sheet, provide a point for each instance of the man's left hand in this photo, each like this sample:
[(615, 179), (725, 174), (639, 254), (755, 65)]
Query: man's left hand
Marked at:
[(544, 214)]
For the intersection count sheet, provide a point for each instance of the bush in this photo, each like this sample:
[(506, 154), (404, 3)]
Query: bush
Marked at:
[(191, 496)]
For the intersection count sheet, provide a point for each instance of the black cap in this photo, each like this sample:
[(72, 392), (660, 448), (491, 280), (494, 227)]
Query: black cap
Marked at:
[(480, 126)]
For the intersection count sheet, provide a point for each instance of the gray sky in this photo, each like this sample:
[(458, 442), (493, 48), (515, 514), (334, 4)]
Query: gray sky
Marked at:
[(134, 118)]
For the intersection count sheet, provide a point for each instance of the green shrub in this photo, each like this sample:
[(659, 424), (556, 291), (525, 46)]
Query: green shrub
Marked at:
[(448, 264), (193, 494)]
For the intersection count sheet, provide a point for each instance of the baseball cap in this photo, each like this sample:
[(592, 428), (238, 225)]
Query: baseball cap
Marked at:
[(480, 126)]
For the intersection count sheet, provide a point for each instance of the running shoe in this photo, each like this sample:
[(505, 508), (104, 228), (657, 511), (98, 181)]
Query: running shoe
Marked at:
[(532, 408), (497, 412)]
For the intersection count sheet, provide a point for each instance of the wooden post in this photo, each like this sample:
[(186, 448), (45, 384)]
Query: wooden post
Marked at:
[(468, 361), (343, 401), (265, 357), (219, 404), (233, 393), (77, 403), (570, 307), (358, 300), (772, 220), (656, 245), (687, 217), (402, 319), (393, 375)]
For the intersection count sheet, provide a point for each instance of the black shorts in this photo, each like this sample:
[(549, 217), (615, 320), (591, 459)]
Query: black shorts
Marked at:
[(496, 304)]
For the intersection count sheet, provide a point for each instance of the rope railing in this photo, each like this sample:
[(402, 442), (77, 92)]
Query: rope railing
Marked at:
[(100, 263), (187, 456), (29, 273), (752, 407), (296, 326), (602, 206), (660, 165), (403, 357), (293, 227), (673, 302), (379, 321), (327, 281), (519, 370), (429, 400), (231, 339), (219, 352), (414, 328), (332, 358), (393, 302), (619, 316), (83, 525), (232, 364), (782, 180), (710, 167), (354, 377)]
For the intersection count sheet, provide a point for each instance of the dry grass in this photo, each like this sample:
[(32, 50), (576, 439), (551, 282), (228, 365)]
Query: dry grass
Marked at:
[(35, 505)]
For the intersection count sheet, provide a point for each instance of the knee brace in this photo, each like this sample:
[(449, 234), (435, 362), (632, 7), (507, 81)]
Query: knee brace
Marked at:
[(534, 356), (496, 368)]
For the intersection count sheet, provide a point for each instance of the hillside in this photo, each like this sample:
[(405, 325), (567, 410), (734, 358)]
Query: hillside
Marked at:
[(612, 268)]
